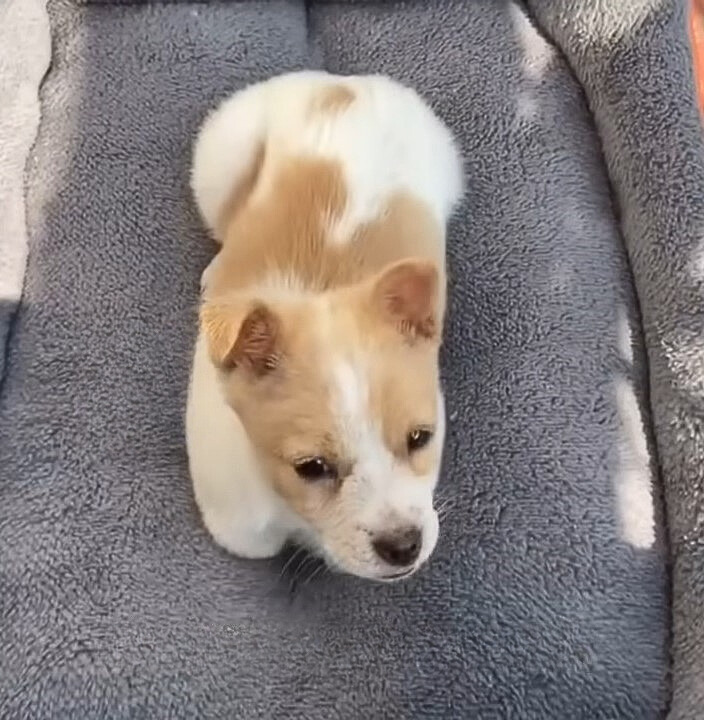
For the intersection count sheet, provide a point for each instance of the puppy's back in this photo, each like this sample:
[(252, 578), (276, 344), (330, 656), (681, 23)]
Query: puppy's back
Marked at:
[(381, 135)]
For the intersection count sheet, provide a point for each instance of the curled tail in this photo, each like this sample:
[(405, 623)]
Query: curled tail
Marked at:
[(227, 156)]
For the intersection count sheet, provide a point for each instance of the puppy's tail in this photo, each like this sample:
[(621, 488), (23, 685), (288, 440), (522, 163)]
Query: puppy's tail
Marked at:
[(227, 157)]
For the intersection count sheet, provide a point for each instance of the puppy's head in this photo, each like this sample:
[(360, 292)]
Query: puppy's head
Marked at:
[(339, 393)]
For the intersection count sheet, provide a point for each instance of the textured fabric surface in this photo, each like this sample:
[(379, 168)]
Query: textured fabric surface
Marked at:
[(548, 594), (25, 47), (637, 74)]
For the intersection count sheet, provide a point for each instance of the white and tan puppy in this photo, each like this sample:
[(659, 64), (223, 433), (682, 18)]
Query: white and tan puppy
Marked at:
[(315, 410)]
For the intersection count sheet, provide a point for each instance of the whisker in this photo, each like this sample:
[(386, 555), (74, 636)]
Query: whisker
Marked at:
[(445, 506), (299, 570), (316, 570), (294, 555)]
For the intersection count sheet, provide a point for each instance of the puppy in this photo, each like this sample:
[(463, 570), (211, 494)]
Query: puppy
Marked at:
[(315, 411)]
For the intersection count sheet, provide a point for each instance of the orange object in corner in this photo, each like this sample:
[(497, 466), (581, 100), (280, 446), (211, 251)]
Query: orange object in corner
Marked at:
[(696, 29)]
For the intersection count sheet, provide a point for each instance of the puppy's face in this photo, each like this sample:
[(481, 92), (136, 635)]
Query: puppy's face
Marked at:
[(340, 395)]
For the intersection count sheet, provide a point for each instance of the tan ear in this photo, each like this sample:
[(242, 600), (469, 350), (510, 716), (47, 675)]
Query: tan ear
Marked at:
[(407, 294), (242, 335)]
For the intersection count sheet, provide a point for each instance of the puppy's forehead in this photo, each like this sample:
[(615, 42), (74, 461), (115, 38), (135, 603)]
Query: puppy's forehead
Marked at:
[(381, 393), (350, 388), (369, 384)]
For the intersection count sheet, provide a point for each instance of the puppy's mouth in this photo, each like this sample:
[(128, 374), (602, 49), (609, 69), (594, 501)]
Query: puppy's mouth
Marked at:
[(368, 573)]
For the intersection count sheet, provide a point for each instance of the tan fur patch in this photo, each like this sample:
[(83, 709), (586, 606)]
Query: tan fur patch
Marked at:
[(285, 233), (332, 99), (404, 396)]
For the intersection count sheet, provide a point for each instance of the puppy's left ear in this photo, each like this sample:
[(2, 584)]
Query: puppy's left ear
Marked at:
[(242, 335), (407, 294)]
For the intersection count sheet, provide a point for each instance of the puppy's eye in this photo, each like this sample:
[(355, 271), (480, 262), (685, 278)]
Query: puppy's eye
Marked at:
[(315, 468), (418, 438)]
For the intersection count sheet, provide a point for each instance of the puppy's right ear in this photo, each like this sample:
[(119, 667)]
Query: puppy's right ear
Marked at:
[(242, 335), (406, 294)]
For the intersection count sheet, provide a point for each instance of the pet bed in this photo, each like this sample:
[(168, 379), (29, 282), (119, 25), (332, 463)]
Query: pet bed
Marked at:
[(569, 577)]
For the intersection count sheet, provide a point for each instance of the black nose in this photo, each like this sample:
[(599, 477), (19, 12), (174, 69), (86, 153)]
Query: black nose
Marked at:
[(399, 548)]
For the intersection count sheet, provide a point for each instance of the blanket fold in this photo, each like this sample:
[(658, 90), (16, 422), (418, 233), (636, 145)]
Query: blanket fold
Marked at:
[(635, 64)]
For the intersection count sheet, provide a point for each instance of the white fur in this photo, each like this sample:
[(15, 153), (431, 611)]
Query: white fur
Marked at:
[(387, 141), (239, 508), (391, 496)]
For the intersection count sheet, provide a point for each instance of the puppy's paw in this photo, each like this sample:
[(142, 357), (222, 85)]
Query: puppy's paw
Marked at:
[(242, 540)]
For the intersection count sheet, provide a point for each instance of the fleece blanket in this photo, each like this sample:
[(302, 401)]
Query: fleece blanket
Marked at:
[(573, 365)]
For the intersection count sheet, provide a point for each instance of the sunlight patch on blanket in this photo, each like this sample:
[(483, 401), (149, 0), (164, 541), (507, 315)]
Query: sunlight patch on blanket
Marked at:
[(632, 479), (537, 53)]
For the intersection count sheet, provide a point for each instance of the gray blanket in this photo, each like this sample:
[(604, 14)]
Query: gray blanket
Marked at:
[(573, 363)]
